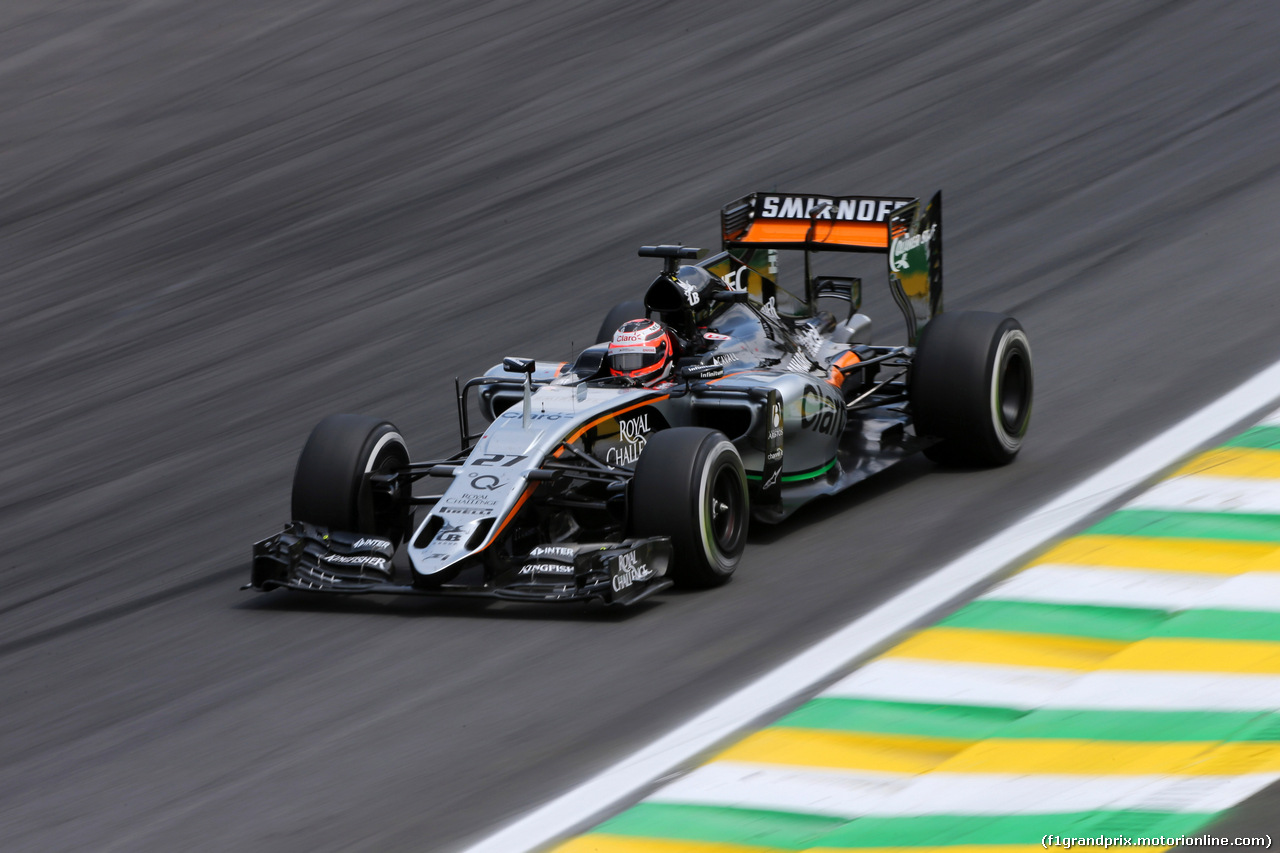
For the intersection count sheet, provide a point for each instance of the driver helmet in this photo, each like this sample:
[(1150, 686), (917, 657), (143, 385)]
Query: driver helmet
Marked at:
[(641, 350)]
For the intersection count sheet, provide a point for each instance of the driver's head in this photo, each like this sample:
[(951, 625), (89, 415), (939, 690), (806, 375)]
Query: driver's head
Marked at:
[(641, 350)]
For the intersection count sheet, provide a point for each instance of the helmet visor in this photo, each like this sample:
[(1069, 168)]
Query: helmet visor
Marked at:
[(630, 362)]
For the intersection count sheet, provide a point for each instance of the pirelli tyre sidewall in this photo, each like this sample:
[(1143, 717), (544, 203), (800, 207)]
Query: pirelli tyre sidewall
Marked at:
[(331, 486), (690, 486), (971, 387)]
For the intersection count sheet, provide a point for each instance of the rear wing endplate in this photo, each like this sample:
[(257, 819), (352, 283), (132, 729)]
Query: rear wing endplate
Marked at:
[(915, 263)]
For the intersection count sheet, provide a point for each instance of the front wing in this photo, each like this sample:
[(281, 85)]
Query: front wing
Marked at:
[(315, 559)]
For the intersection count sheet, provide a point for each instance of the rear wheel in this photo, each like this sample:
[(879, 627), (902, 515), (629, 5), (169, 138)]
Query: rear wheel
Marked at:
[(971, 387), (331, 486), (690, 486), (632, 309)]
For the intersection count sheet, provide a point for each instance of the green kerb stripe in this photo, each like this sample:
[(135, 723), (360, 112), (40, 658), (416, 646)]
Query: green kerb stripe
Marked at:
[(1145, 725), (1077, 620), (969, 722), (1239, 526), (1260, 438), (961, 722), (725, 825), (1016, 829), (1223, 625)]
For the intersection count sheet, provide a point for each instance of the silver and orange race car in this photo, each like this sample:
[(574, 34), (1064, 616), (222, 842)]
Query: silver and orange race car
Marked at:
[(589, 483)]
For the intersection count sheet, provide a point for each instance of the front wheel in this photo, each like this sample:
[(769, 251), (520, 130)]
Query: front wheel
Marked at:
[(971, 387), (331, 485), (690, 486)]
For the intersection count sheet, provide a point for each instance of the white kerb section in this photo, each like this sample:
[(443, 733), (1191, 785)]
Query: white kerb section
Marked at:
[(577, 808)]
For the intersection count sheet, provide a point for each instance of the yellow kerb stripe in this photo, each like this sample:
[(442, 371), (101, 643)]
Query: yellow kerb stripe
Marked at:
[(1170, 555), (1100, 758), (848, 750), (1003, 647), (1181, 655), (604, 843), (1235, 462)]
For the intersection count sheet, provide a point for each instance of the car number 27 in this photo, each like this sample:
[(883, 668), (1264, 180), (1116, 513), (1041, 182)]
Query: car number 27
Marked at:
[(496, 460)]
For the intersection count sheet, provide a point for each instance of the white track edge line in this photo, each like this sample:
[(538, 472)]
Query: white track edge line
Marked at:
[(587, 802)]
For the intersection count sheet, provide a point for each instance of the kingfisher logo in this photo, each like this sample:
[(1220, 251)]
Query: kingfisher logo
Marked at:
[(855, 209), (901, 246)]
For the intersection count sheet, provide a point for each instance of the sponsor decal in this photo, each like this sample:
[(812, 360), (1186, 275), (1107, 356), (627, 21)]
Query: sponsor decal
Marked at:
[(727, 358), (562, 552), (456, 510), (690, 293), (450, 533), (734, 280), (536, 416), (715, 336), (841, 210), (770, 308), (372, 543), (628, 570), (773, 449), (488, 482), (484, 499), (354, 560), (704, 371), (546, 569), (819, 414), (632, 434), (634, 429), (437, 556), (622, 338), (899, 247)]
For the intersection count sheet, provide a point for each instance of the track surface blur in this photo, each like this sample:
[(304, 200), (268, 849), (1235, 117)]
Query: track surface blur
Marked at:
[(220, 222)]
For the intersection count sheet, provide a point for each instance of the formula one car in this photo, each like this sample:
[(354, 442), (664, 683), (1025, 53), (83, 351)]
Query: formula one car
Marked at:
[(721, 398)]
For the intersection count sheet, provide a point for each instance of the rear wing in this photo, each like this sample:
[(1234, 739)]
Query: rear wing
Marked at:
[(909, 233), (832, 223)]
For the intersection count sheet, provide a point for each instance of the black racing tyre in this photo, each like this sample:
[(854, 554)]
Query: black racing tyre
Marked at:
[(690, 486), (971, 387), (330, 488), (632, 309)]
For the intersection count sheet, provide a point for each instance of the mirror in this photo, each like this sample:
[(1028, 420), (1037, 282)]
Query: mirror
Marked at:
[(511, 364)]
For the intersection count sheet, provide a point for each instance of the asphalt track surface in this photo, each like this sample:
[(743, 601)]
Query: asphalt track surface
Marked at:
[(220, 222)]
